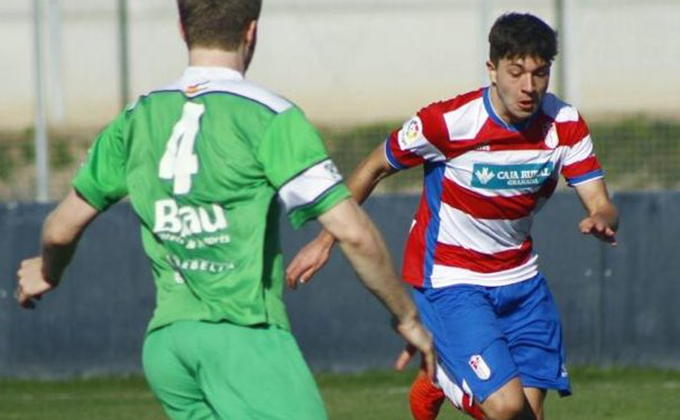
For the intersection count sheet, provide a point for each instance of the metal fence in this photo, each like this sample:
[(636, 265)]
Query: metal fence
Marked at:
[(344, 62)]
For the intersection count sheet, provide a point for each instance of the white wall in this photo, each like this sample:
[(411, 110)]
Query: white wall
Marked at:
[(347, 61)]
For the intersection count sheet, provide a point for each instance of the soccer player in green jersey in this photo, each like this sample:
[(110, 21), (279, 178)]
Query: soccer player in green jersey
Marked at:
[(204, 162)]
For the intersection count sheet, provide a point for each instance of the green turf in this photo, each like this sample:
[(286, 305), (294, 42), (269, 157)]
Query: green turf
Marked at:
[(599, 395), (636, 152)]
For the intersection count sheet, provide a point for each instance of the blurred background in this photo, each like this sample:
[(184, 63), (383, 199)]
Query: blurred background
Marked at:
[(357, 68)]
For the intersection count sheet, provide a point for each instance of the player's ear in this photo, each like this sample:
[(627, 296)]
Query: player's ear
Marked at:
[(248, 43), (181, 31), (250, 35), (493, 71)]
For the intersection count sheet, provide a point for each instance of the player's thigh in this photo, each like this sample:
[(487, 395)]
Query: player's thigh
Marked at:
[(257, 374), (534, 332), (508, 402), (471, 347), (170, 379), (536, 398)]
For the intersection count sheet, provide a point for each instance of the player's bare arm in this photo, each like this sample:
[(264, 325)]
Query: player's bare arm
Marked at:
[(603, 218), (365, 249), (366, 176), (312, 257), (60, 235)]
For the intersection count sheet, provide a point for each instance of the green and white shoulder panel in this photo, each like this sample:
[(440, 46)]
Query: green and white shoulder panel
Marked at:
[(248, 90), (313, 192), (307, 187), (193, 87)]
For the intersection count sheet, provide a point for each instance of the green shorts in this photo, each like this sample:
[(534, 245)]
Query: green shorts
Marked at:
[(207, 371)]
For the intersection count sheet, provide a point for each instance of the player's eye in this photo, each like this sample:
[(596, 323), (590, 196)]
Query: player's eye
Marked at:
[(542, 72)]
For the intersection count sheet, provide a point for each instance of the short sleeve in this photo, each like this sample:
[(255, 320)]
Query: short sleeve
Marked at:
[(420, 139), (297, 165), (101, 180), (580, 164)]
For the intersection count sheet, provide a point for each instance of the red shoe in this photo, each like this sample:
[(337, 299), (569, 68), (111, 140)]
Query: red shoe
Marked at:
[(425, 398)]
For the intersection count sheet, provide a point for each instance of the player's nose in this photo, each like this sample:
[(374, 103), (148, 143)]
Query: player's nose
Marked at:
[(528, 84)]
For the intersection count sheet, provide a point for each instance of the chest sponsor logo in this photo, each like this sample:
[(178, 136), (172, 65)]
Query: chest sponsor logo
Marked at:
[(498, 177)]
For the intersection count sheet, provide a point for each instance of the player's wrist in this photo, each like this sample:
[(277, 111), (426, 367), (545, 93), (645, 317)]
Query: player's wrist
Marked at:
[(326, 239), (51, 276), (407, 320)]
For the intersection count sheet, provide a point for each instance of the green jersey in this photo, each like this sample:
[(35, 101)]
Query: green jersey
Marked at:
[(203, 162)]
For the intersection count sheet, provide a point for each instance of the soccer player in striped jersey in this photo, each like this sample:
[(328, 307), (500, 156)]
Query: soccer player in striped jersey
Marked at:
[(203, 161), (491, 159)]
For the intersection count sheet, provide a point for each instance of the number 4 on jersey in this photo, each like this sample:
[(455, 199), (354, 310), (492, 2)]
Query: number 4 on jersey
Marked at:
[(179, 161)]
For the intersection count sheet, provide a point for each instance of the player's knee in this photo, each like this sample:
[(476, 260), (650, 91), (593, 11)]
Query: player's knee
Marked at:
[(507, 407)]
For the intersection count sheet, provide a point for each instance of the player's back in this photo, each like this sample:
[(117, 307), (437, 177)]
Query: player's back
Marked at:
[(202, 161), (197, 181), (198, 146)]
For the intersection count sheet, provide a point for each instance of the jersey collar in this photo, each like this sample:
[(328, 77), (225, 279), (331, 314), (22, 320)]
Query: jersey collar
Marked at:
[(197, 75)]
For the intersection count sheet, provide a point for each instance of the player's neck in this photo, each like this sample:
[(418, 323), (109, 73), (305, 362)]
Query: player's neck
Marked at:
[(208, 57), (500, 109)]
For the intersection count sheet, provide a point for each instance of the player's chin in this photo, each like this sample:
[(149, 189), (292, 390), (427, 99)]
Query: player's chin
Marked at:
[(522, 113)]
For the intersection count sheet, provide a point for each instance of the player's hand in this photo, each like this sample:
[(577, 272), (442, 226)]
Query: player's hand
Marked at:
[(597, 226), (418, 339), (31, 282), (308, 261)]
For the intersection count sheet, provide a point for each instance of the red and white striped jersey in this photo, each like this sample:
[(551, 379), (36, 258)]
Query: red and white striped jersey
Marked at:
[(483, 182)]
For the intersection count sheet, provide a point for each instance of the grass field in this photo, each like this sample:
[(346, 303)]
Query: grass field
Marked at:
[(599, 395), (637, 152)]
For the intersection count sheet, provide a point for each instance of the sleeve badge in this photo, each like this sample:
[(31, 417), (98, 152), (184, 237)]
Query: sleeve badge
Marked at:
[(410, 132)]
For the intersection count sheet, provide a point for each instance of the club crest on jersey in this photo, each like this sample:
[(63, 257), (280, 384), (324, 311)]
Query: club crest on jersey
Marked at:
[(550, 135), (480, 367), (498, 177), (410, 132)]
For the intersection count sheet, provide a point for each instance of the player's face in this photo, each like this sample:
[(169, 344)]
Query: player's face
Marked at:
[(518, 86)]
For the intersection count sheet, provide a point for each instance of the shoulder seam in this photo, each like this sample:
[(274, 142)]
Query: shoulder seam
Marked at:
[(213, 92)]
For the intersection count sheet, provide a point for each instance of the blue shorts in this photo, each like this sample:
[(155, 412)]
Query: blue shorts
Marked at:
[(485, 336)]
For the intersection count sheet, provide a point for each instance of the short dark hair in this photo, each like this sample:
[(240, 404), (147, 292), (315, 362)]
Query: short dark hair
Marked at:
[(521, 35), (217, 23)]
